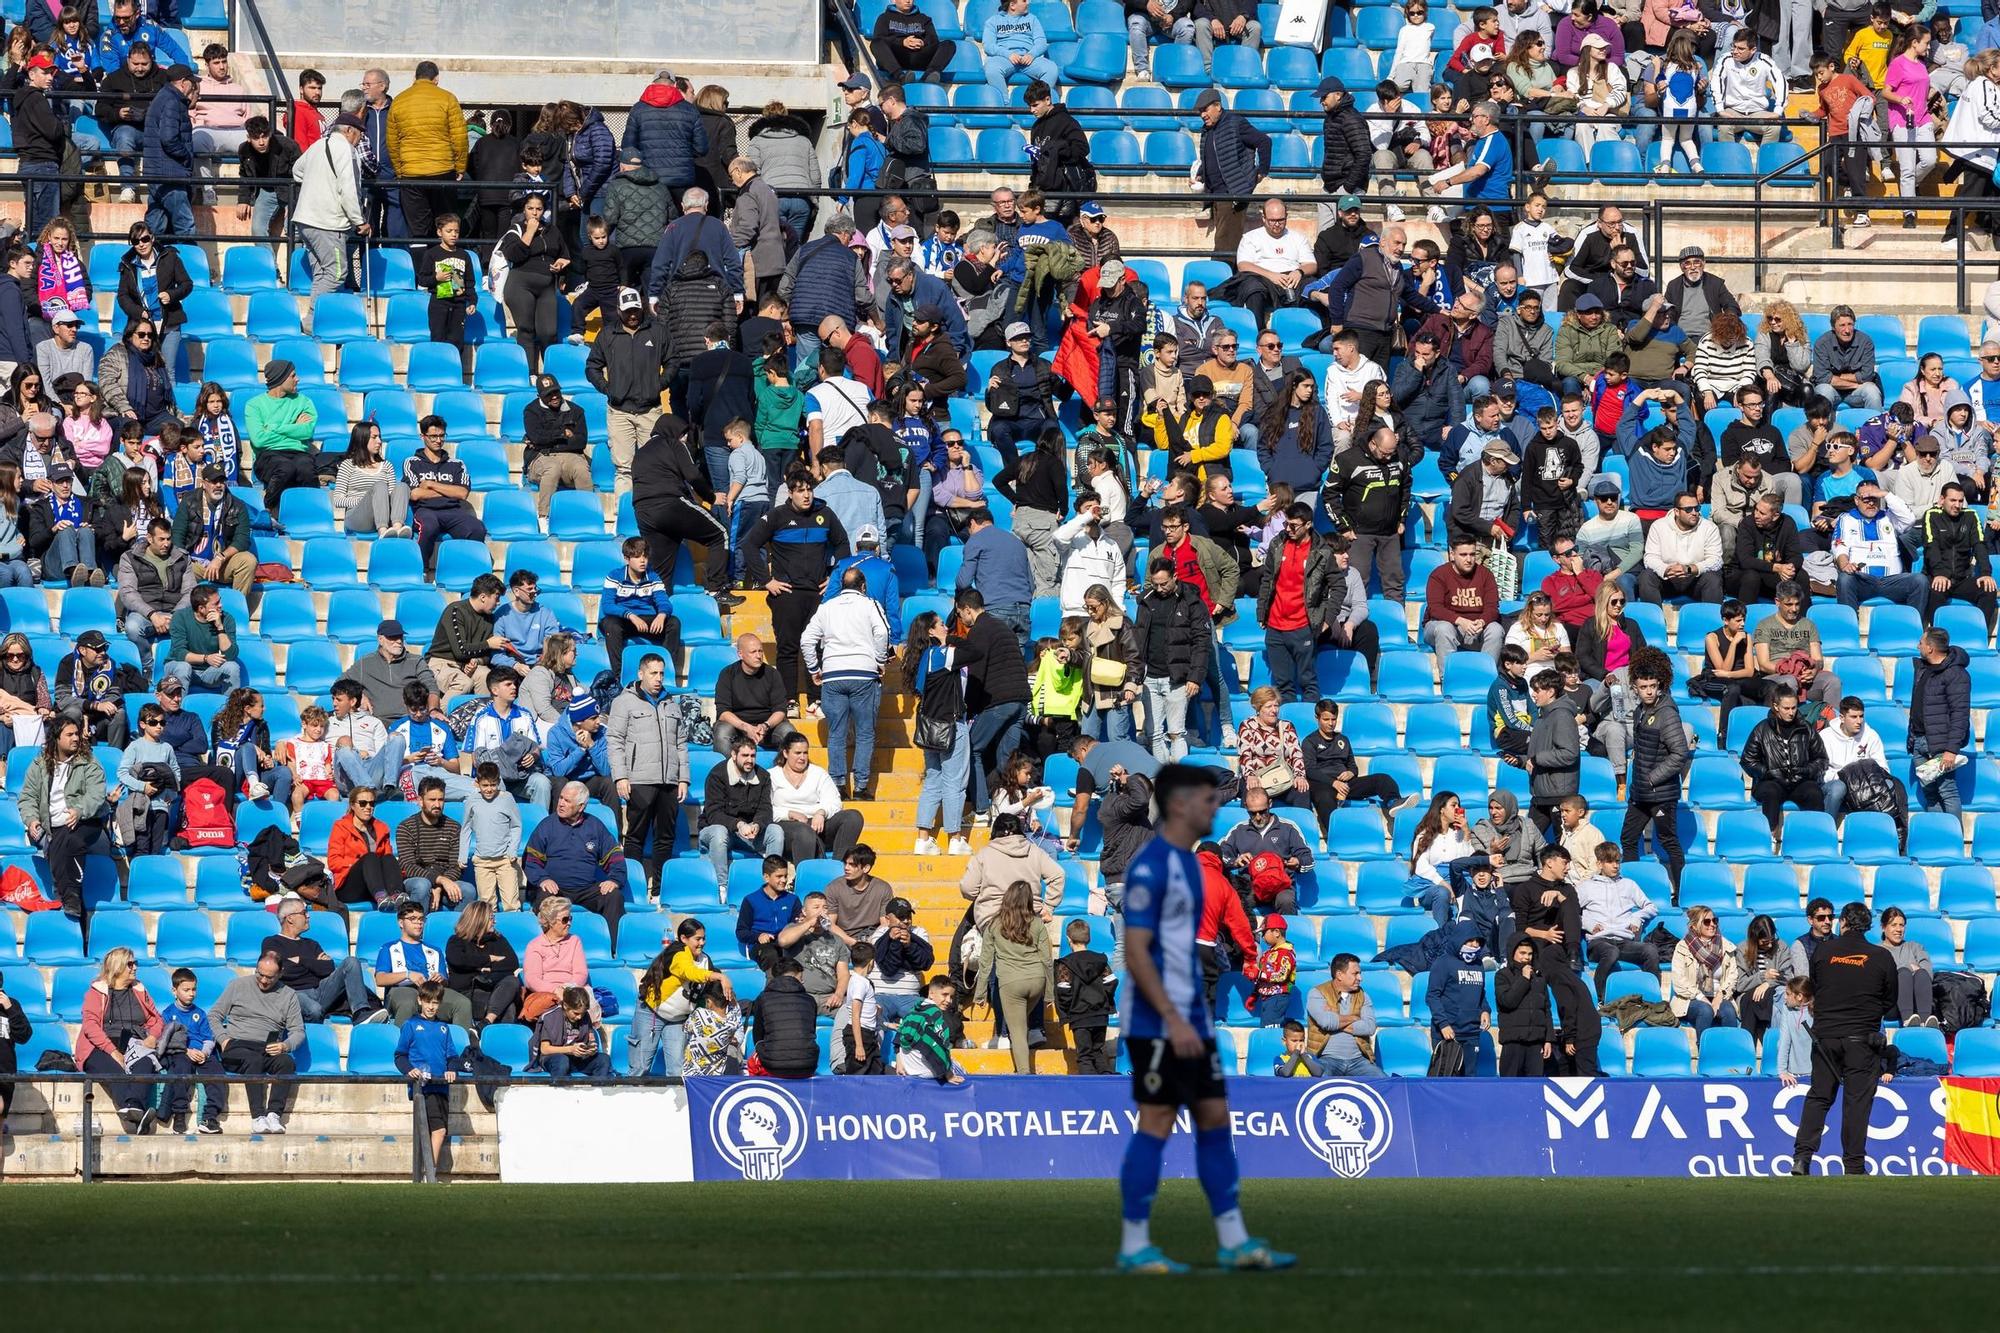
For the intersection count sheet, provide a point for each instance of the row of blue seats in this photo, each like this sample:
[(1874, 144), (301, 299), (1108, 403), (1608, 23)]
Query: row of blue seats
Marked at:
[(1139, 107)]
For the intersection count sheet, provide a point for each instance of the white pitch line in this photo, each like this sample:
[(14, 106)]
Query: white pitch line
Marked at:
[(650, 1278)]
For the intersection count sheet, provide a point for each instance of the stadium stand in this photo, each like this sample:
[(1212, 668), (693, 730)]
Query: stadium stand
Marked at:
[(1765, 524)]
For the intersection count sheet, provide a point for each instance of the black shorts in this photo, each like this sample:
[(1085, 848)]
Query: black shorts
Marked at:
[(1161, 1078), (437, 1110)]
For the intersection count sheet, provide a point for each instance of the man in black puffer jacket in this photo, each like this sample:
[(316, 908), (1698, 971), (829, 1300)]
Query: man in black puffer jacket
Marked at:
[(671, 495), (695, 297), (1786, 759), (1658, 762), (1348, 151), (1058, 151), (1940, 719), (907, 46), (785, 1024)]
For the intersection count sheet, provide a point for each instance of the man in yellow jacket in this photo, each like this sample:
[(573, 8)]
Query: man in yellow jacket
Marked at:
[(427, 148)]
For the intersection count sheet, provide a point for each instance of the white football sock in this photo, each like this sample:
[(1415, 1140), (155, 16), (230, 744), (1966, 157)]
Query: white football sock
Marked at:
[(1229, 1229), (1138, 1235)]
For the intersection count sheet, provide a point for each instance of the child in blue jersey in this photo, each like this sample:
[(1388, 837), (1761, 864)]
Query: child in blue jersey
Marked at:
[(200, 1059), (1169, 1036), (425, 1051)]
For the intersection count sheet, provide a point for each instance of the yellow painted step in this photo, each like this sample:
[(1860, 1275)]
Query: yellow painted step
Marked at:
[(1002, 1062)]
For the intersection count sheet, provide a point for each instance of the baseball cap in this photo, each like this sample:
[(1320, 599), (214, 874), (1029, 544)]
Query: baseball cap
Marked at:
[(857, 83), (1593, 39), (171, 685), (900, 908), (1501, 452), (41, 60), (1347, 203), (1110, 271), (1604, 488), (60, 313), (629, 299), (1019, 329), (179, 73), (1480, 54), (902, 231), (348, 121), (93, 639), (1209, 97), (1588, 302), (62, 472), (390, 629), (1329, 86), (1092, 209), (214, 472), (1274, 922), (927, 314), (869, 535)]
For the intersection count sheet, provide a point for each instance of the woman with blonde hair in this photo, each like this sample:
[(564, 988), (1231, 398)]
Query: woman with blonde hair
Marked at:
[(1705, 975), (1014, 953), (481, 965), (1784, 356), (554, 960), (1267, 744), (120, 1024), (1537, 630), (551, 682)]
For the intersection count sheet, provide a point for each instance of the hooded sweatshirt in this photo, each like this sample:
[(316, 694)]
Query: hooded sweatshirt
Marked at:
[(1457, 989), (1523, 997), (1524, 840)]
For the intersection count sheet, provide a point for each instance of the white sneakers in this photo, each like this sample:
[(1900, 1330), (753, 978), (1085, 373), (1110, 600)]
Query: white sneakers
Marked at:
[(1228, 736), (128, 195), (1393, 214), (267, 1124), (960, 847), (925, 845), (258, 791)]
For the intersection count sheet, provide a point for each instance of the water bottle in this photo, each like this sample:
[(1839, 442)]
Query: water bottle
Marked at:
[(1618, 701), (243, 867)]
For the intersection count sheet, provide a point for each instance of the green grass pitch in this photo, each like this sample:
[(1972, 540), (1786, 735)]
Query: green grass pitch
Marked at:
[(815, 1257)]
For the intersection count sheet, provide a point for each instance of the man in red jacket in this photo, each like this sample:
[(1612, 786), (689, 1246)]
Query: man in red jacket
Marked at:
[(1572, 588), (1221, 910)]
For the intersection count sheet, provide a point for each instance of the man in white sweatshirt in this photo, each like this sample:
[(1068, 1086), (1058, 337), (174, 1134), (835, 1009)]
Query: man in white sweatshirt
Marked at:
[(1616, 913), (1683, 556), (1349, 374), (1850, 740), (328, 210), (1088, 558), (1747, 84), (844, 646)]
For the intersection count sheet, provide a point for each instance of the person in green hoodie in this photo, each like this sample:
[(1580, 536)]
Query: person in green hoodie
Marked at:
[(781, 407), (281, 423)]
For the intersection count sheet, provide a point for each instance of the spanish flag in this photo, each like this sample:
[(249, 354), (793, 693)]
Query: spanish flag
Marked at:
[(1972, 1124)]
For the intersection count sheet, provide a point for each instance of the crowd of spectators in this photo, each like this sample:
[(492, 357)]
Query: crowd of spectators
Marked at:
[(1183, 502)]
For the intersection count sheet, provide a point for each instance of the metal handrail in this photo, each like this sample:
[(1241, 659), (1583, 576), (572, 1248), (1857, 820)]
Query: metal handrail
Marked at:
[(422, 1169)]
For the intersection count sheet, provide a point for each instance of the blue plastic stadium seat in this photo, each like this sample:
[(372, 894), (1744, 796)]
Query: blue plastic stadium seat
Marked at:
[(408, 319), (435, 367), (1944, 335), (1180, 66), (1976, 1053), (1111, 149), (390, 270), (1099, 58), (89, 608), (500, 368), (460, 562), (1291, 155), (1001, 148), (1727, 1053), (1404, 1052), (1659, 1053), (330, 563), (1287, 67), (307, 513), (365, 367), (1810, 837), (207, 310), (1171, 150), (464, 413), (1936, 839), (1922, 1044), (1240, 67), (1147, 107), (1615, 158), (1351, 65), (341, 317)]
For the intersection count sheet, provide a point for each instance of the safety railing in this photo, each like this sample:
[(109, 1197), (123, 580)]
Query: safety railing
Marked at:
[(423, 1170)]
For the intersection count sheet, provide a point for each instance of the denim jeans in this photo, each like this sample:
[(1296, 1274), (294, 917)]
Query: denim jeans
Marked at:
[(265, 209), (850, 705), (1704, 1016), (896, 1008), (170, 211), (379, 771), (652, 1034), (138, 628), (996, 733), (999, 69), (941, 799), (1433, 898), (44, 195), (913, 522), (1854, 589), (347, 986), (1294, 658), (1942, 792), (1358, 1067), (1108, 724), (71, 547), (211, 680), (1868, 395), (127, 141), (717, 842), (1166, 708), (457, 786), (1139, 31), (797, 214), (15, 573), (1222, 706)]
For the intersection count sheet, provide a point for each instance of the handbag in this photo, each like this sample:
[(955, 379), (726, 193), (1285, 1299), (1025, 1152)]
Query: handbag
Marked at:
[(1108, 673), (535, 1004), (1506, 570), (940, 711), (1275, 778)]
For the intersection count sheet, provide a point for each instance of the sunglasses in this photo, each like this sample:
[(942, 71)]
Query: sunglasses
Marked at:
[(1616, 601), (364, 805), (140, 335), (1687, 509), (1822, 916), (1564, 555)]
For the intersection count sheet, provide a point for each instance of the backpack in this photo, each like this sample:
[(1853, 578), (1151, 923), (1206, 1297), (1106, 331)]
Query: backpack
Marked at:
[(460, 718), (205, 817), (19, 891), (695, 726), (1268, 877), (1959, 1001)]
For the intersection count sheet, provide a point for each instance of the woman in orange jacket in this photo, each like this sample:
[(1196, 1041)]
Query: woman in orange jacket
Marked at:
[(359, 859), (118, 1017)]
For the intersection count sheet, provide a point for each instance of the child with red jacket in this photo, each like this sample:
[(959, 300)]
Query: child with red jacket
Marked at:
[(1271, 979)]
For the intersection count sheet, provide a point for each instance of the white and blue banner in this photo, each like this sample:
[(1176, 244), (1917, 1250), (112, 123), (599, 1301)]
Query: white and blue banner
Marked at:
[(1022, 1128)]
